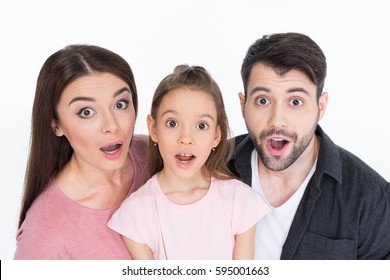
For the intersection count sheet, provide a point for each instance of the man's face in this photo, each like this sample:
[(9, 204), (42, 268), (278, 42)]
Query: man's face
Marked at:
[(281, 114)]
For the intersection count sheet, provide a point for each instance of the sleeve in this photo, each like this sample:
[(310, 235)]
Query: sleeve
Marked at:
[(249, 208), (130, 221), (374, 241), (34, 244), (41, 238)]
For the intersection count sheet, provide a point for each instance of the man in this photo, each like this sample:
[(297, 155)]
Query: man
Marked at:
[(326, 203)]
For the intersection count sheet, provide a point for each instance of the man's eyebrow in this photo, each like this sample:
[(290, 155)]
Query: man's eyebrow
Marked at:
[(292, 90), (298, 89), (258, 89)]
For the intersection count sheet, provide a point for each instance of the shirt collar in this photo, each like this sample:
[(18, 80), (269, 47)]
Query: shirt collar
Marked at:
[(329, 161)]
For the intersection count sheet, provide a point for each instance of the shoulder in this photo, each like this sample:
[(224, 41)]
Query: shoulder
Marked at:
[(138, 153), (244, 204), (233, 189), (354, 164), (243, 147), (51, 207), (363, 178), (345, 167), (43, 234), (352, 180), (139, 143), (231, 184), (141, 197), (137, 209), (238, 139)]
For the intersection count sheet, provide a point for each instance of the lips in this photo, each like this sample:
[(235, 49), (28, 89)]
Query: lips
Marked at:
[(185, 157), (111, 149), (277, 145)]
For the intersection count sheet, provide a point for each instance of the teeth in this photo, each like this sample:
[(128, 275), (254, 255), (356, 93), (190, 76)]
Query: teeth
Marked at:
[(277, 139), (111, 149), (185, 155)]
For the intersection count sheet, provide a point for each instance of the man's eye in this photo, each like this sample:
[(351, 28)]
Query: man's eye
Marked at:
[(262, 101), (171, 123), (296, 102)]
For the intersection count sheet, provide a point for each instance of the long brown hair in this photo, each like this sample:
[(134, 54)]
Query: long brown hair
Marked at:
[(49, 153), (195, 78)]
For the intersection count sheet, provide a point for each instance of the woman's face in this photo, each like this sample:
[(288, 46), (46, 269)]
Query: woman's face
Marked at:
[(97, 116)]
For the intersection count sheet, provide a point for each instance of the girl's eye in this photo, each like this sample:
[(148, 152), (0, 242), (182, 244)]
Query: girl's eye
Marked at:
[(86, 113), (202, 126), (122, 104), (262, 101), (172, 123), (296, 102)]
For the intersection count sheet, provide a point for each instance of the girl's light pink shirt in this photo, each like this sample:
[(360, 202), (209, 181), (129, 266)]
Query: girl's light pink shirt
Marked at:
[(56, 227), (205, 229)]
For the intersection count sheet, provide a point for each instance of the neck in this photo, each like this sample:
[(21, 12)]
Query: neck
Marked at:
[(95, 188), (183, 190), (279, 186)]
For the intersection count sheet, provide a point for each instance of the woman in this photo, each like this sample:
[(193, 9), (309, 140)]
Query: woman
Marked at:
[(84, 160)]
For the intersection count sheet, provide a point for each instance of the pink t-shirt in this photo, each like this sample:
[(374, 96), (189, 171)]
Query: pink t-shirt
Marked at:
[(57, 227), (201, 230)]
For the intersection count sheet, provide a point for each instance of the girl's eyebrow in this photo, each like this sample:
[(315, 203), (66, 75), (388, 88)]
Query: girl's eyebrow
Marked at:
[(206, 116), (175, 113), (168, 112), (91, 99)]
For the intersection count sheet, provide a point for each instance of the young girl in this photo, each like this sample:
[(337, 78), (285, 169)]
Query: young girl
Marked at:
[(192, 208)]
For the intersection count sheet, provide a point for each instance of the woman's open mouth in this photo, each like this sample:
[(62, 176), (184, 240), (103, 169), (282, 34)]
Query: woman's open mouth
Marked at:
[(111, 149)]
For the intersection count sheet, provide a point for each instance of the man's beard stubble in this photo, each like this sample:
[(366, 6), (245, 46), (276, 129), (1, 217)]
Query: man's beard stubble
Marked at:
[(278, 163)]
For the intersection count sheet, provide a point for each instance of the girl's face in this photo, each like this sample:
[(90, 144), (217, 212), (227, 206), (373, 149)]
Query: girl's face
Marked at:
[(97, 116), (186, 130)]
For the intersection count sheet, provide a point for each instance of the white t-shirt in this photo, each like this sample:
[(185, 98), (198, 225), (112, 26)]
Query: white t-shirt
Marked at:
[(272, 230)]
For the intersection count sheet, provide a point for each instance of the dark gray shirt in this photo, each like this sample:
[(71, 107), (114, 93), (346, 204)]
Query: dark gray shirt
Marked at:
[(344, 212)]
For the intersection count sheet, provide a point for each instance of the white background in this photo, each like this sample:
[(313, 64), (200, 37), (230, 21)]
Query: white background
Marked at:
[(155, 36)]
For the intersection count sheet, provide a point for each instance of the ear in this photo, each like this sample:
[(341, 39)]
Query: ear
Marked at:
[(323, 103), (56, 128), (242, 103), (217, 137), (152, 128)]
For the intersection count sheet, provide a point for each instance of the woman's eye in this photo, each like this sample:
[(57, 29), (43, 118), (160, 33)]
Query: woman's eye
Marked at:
[(86, 113), (262, 101), (296, 102), (202, 126), (121, 105), (171, 123)]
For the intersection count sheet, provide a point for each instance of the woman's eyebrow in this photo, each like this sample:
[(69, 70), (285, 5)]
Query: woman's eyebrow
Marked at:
[(91, 99)]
